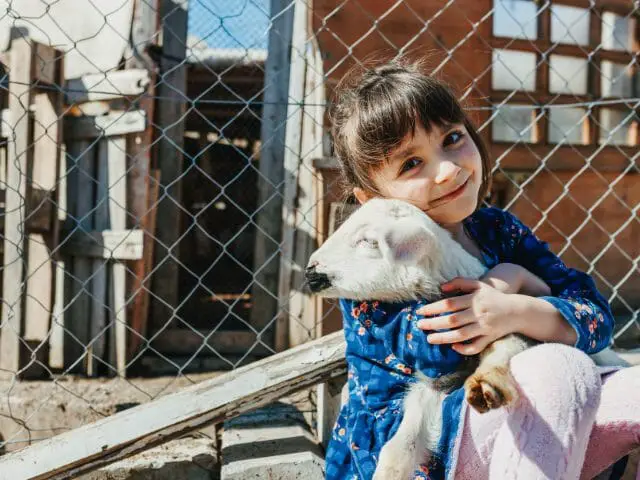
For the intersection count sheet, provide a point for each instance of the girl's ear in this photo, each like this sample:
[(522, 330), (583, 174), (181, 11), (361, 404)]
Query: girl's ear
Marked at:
[(361, 195)]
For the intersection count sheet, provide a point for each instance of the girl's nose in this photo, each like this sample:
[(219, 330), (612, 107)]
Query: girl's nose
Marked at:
[(446, 171)]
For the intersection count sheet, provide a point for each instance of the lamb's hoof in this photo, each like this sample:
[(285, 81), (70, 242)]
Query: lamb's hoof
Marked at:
[(394, 463), (490, 389)]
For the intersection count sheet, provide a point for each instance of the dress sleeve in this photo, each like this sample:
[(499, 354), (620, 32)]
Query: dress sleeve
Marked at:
[(573, 293), (390, 337)]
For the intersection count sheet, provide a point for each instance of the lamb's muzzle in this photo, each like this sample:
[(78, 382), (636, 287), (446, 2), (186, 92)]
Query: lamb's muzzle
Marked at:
[(316, 281)]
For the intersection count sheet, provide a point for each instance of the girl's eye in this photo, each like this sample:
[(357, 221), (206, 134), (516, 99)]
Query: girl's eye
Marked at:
[(453, 138), (410, 164), (367, 243)]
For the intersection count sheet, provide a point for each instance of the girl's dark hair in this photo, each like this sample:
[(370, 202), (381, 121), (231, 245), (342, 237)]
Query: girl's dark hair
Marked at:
[(375, 108)]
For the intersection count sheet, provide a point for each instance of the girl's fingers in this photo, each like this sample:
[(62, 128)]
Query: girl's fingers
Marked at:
[(447, 305), (446, 322), (474, 347), (461, 284), (455, 336)]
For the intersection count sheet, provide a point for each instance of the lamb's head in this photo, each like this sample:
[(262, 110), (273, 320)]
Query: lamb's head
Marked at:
[(387, 250)]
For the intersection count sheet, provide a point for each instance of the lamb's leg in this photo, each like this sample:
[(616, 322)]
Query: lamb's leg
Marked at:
[(418, 433), (491, 385)]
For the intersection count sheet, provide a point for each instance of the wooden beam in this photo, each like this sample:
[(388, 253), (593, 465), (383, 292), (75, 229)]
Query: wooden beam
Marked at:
[(121, 435), (15, 245), (113, 124), (169, 120), (142, 190), (117, 282), (142, 283), (529, 157), (565, 158), (80, 187), (264, 292), (554, 48), (41, 277), (47, 65), (96, 348), (286, 320), (105, 244), (108, 85), (300, 309)]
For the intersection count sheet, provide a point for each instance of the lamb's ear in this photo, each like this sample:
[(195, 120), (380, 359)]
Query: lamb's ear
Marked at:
[(407, 242)]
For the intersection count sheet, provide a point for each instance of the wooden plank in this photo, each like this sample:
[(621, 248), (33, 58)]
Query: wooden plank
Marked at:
[(40, 289), (41, 281), (143, 183), (274, 118), (329, 399), (96, 348), (565, 158), (3, 169), (142, 282), (604, 158), (6, 123), (287, 320), (14, 257), (106, 244), (107, 86), (177, 342), (56, 338), (47, 68), (117, 284), (121, 435), (113, 124), (301, 307), (81, 178), (169, 121), (553, 48)]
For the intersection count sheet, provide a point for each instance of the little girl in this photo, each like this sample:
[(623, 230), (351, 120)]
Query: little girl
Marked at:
[(402, 134)]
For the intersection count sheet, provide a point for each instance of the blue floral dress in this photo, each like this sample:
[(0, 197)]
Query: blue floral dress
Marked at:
[(385, 348)]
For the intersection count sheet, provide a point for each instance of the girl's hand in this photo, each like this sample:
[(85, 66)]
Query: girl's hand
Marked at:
[(479, 317), (511, 278)]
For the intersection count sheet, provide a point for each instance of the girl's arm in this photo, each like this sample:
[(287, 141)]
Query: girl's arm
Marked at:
[(573, 313), (512, 278), (533, 317), (573, 297)]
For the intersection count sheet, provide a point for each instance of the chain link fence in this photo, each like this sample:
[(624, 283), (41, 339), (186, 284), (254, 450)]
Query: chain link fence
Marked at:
[(165, 172)]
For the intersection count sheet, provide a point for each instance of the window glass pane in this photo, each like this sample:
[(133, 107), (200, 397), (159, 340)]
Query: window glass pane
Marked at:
[(515, 19), (566, 125), (617, 120), (513, 123), (567, 75), (616, 32), (513, 70), (616, 79), (569, 25)]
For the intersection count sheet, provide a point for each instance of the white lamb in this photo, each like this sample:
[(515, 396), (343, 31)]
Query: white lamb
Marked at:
[(389, 250)]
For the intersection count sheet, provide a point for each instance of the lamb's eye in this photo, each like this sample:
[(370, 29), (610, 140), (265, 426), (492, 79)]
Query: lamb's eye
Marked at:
[(367, 243)]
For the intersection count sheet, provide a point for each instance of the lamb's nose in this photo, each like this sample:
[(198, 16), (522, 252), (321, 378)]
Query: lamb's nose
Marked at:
[(315, 280)]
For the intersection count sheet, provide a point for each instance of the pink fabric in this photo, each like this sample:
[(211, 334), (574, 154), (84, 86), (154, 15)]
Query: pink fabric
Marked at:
[(565, 411)]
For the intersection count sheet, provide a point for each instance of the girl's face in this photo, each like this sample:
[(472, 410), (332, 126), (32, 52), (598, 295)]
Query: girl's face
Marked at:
[(439, 172)]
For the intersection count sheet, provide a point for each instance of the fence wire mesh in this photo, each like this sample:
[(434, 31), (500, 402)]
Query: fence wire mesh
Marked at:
[(165, 172)]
